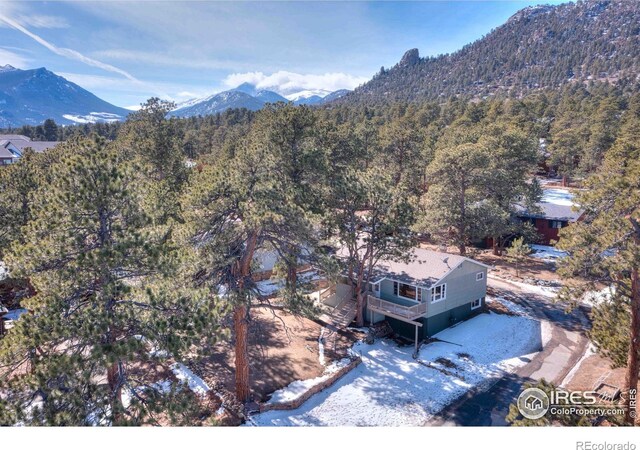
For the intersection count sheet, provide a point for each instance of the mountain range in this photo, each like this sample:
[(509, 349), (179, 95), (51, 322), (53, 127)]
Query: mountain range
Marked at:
[(29, 97), (541, 47), (249, 96), (538, 47)]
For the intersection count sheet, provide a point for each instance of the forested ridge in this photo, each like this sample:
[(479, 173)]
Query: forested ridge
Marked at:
[(539, 47)]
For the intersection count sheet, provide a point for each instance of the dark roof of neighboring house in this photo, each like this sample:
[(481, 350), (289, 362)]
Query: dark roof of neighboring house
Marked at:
[(13, 137), (38, 146), (22, 142), (553, 211), (424, 268), (556, 204)]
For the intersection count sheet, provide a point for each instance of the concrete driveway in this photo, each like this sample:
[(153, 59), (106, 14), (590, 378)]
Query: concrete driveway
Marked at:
[(562, 352)]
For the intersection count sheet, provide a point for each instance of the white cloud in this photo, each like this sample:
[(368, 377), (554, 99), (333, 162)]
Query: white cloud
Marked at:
[(286, 83), (37, 21), (66, 52), (13, 59)]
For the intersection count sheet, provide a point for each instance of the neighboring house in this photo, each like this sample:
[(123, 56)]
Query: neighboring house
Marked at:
[(8, 153), (13, 145), (265, 260), (556, 210), (426, 295)]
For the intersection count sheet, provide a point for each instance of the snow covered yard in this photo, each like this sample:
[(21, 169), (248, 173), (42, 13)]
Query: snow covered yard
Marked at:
[(546, 252), (390, 388)]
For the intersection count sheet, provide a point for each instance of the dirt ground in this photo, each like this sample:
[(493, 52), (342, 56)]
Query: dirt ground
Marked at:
[(282, 349), (592, 370)]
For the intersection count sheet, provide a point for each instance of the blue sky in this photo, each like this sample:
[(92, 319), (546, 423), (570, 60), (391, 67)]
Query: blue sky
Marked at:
[(126, 52)]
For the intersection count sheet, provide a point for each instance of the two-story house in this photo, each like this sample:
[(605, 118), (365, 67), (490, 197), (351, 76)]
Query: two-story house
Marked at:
[(428, 294)]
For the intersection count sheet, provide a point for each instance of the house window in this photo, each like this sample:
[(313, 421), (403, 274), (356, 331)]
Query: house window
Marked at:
[(438, 293), (376, 287), (480, 276), (407, 291), (556, 224), (476, 303)]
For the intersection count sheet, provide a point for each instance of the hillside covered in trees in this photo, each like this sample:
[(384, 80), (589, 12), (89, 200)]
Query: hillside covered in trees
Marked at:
[(538, 47)]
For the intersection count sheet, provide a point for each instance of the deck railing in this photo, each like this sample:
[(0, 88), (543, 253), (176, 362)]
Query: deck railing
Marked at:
[(385, 307)]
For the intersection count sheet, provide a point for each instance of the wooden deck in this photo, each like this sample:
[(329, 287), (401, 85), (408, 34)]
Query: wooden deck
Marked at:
[(409, 313)]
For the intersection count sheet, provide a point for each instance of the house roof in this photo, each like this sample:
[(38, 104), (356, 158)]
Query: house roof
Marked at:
[(37, 146), (4, 152), (13, 137), (556, 204), (554, 212), (425, 267)]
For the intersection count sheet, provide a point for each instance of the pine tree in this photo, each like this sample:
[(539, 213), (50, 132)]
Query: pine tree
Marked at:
[(605, 246), (155, 143), (50, 130), (233, 210), (102, 300), (369, 216), (517, 252), (18, 182), (451, 208)]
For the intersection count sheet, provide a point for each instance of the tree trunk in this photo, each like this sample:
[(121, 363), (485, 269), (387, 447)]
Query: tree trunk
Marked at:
[(633, 366), (241, 327), (292, 272), (114, 376), (241, 271), (462, 248), (496, 247), (564, 181)]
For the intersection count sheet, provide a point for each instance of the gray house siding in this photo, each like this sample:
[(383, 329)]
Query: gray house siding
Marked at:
[(435, 324), (462, 288)]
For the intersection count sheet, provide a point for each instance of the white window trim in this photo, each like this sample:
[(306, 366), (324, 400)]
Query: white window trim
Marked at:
[(479, 300), (479, 276), (444, 296), (402, 296)]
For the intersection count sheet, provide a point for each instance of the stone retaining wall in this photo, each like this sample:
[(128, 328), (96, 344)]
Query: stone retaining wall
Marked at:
[(297, 402)]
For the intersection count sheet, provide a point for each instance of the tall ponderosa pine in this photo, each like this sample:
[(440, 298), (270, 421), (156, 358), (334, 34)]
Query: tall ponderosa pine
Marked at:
[(451, 209), (605, 248), (232, 211), (370, 218), (97, 271), (156, 144)]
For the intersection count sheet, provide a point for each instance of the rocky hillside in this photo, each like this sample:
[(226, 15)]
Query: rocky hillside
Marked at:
[(538, 47)]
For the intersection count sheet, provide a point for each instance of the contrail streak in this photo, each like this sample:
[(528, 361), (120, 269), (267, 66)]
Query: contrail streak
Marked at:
[(67, 52)]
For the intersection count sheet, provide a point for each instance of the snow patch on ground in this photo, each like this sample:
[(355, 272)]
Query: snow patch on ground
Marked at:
[(546, 252), (299, 387), (511, 306), (545, 291), (129, 394), (195, 383), (390, 388), (273, 286), (321, 347), (4, 272), (594, 298)]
